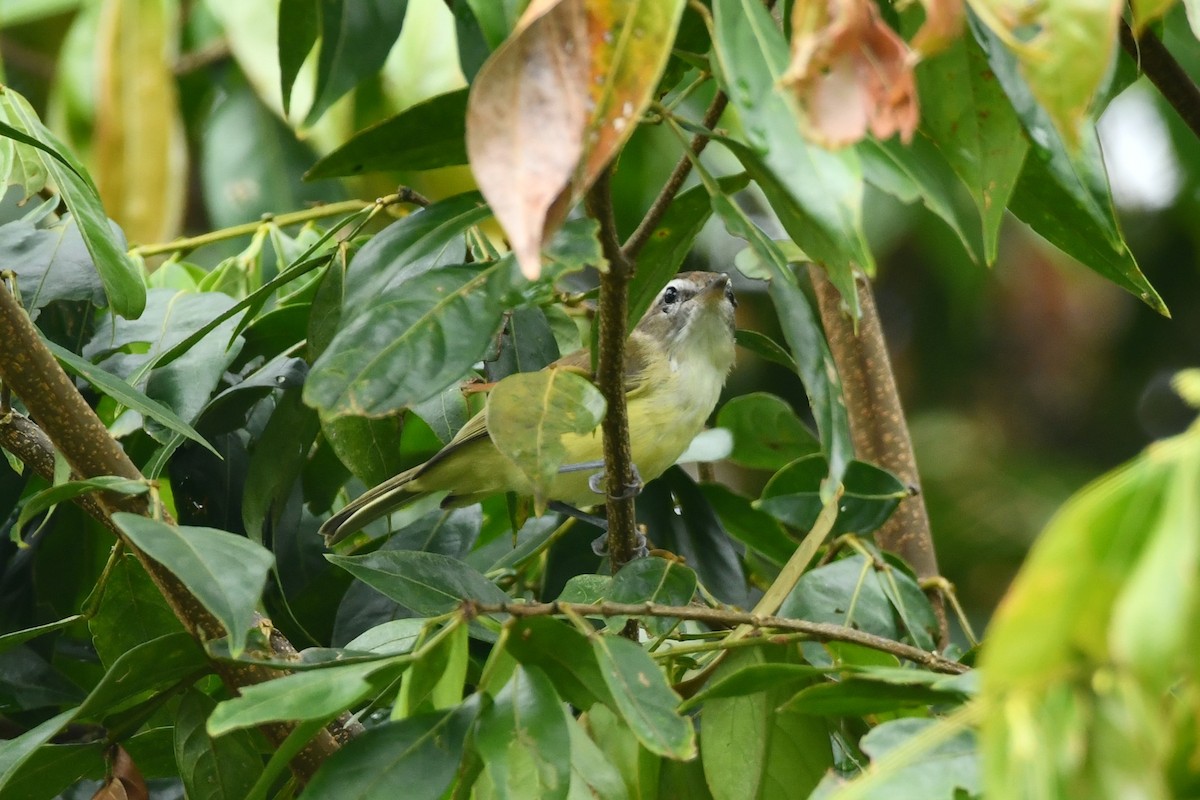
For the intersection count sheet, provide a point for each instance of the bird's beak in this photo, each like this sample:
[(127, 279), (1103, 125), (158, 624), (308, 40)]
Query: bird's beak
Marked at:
[(714, 292)]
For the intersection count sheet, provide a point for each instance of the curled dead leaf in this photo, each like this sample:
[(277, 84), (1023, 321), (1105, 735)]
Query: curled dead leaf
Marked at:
[(850, 73)]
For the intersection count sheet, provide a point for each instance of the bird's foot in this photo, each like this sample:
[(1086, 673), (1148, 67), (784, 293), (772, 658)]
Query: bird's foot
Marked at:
[(600, 545), (596, 484)]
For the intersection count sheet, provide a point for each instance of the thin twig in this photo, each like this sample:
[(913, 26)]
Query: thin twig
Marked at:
[(658, 209), (1157, 64), (621, 481), (818, 631), (183, 245)]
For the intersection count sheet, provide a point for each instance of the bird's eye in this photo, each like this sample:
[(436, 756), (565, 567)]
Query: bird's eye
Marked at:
[(670, 295), (729, 295)]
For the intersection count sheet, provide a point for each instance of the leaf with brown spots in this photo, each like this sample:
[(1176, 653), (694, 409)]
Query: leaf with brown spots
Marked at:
[(556, 101)]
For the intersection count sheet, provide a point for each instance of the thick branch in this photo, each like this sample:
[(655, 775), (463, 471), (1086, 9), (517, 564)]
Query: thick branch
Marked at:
[(721, 618), (1157, 64), (877, 422), (620, 482), (658, 209), (29, 369)]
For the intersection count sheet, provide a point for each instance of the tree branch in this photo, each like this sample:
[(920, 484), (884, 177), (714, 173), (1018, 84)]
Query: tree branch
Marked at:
[(1157, 64), (30, 370), (877, 424), (818, 631), (658, 209), (620, 482)]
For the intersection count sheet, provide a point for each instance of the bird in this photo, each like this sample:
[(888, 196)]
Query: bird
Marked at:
[(676, 361)]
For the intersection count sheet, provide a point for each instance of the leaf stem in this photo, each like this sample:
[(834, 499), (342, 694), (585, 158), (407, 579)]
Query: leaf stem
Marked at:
[(1173, 83), (658, 209)]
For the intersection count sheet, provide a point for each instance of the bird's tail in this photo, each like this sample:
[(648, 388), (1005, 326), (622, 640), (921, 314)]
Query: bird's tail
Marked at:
[(370, 506)]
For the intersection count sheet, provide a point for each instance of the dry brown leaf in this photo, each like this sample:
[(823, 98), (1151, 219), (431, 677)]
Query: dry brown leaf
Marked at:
[(850, 72), (525, 120), (556, 101), (125, 782)]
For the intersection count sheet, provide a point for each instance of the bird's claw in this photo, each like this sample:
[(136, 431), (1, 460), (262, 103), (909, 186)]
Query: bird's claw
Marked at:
[(600, 545), (596, 484)]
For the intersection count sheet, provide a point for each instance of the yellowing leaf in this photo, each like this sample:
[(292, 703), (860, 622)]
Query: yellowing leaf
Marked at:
[(1066, 57), (850, 73), (555, 102), (140, 155), (1147, 11), (529, 413), (943, 24)]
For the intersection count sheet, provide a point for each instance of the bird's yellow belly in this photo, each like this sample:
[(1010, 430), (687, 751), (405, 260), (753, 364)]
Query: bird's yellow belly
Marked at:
[(659, 433)]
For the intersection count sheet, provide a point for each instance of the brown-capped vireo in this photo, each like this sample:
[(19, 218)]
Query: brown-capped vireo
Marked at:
[(676, 361)]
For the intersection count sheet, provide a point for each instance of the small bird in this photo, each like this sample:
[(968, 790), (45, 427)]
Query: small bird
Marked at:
[(676, 361)]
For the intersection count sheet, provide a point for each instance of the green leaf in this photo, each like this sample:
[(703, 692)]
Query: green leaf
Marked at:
[(752, 749), (369, 447), (356, 37), (145, 668), (224, 571), (970, 120), (427, 238), (565, 655), (121, 278), (592, 774), (212, 768), (299, 27), (530, 413), (524, 740), (276, 460), (948, 770), (435, 680), (860, 695), (819, 373), (427, 583), (754, 528), (51, 262), (62, 492), (816, 194), (1064, 194), (427, 135), (53, 768), (917, 171), (526, 345), (585, 589), (409, 343), (10, 640), (766, 348), (643, 698), (664, 252), (413, 758), (311, 694), (767, 434), (752, 679), (652, 580), (793, 496), (16, 751), (126, 395)]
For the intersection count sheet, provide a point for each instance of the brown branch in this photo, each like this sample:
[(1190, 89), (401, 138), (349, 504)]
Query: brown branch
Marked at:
[(29, 369), (877, 424), (621, 482), (658, 209), (1157, 64), (721, 618)]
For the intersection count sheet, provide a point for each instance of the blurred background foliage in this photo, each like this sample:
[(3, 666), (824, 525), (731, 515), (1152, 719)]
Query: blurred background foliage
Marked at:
[(1022, 381)]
